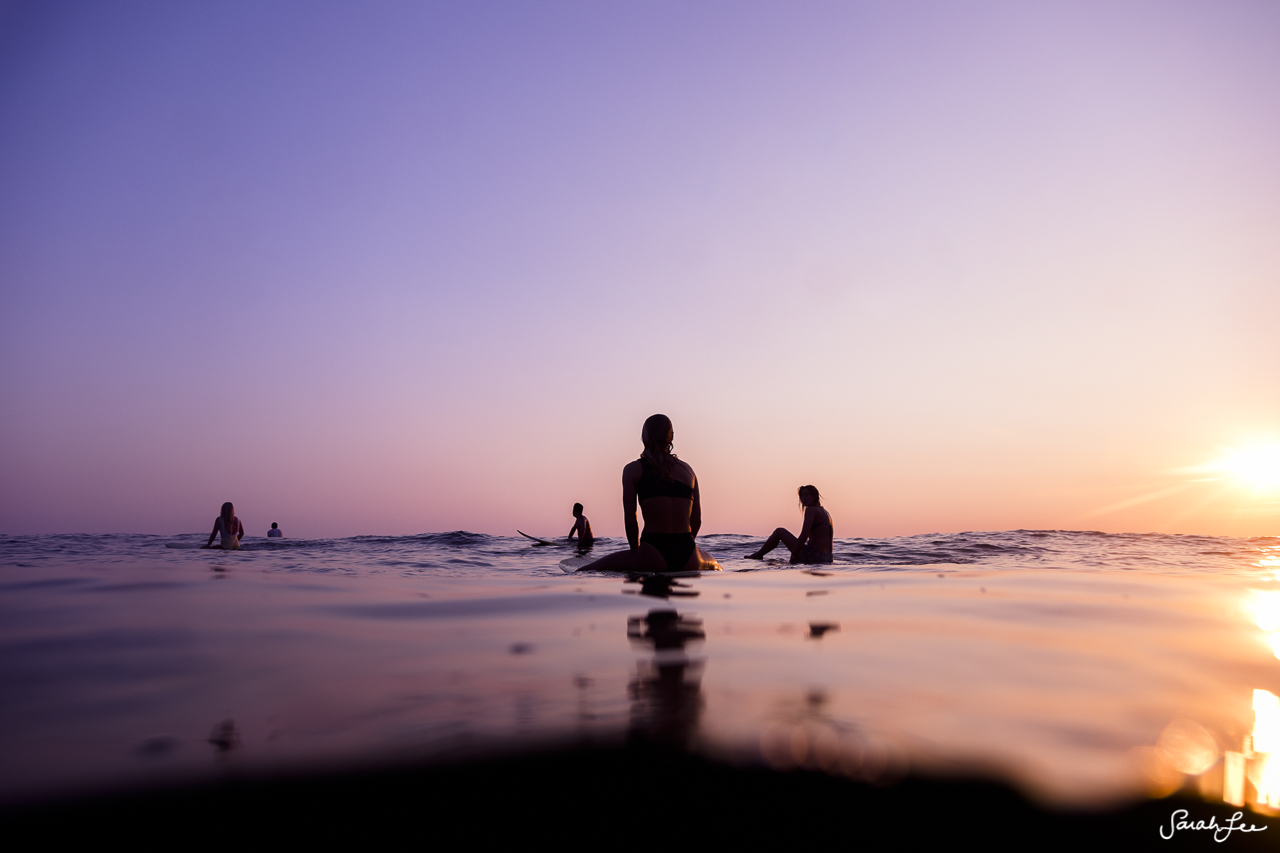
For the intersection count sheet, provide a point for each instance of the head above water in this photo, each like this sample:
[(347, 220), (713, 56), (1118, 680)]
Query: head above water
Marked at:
[(657, 433), (274, 525), (657, 436), (228, 513), (811, 492), (577, 510)]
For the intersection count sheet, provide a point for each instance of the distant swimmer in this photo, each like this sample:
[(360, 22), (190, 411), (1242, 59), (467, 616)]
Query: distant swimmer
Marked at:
[(275, 532), (814, 544), (229, 527), (671, 503), (582, 527)]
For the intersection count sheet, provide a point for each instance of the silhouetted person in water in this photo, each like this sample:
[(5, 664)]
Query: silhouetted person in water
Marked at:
[(275, 532), (667, 491), (582, 527), (814, 544), (229, 526)]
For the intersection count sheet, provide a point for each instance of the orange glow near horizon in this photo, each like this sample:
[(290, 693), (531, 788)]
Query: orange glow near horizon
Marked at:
[(1239, 488)]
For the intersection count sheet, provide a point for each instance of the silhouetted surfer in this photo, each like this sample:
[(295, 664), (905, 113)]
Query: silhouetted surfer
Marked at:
[(229, 527), (667, 491), (814, 544), (582, 527)]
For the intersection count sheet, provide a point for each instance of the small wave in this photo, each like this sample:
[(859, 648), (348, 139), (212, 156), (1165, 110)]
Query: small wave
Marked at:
[(451, 539)]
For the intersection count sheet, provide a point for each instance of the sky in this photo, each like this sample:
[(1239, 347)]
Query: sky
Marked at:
[(391, 268)]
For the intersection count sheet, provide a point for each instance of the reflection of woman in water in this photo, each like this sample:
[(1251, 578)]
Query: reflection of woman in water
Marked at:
[(229, 526), (666, 694), (582, 527), (814, 543), (667, 491)]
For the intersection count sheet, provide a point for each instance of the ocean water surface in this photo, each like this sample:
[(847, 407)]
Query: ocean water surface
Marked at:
[(1086, 669)]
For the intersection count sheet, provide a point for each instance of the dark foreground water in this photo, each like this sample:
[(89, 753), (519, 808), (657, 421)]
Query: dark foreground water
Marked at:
[(1084, 669)]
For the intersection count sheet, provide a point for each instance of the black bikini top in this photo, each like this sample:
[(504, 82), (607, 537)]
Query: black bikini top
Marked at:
[(653, 486)]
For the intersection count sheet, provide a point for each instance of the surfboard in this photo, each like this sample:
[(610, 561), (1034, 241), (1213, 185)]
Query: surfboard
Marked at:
[(535, 538), (572, 564)]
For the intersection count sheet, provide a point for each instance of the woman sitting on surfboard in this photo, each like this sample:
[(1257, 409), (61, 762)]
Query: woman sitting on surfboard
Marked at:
[(582, 527), (813, 545), (667, 491), (229, 526)]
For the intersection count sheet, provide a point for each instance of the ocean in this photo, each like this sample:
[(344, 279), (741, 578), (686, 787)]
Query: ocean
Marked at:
[(1083, 670)]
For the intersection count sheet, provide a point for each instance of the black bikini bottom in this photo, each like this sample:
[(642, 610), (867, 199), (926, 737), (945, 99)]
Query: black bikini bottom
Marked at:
[(675, 548), (809, 554)]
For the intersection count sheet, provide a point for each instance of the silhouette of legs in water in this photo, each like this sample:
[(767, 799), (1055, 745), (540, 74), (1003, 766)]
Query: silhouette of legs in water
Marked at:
[(780, 535)]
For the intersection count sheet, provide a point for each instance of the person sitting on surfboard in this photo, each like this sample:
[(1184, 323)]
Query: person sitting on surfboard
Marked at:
[(581, 526), (275, 532), (229, 526), (814, 543), (667, 491)]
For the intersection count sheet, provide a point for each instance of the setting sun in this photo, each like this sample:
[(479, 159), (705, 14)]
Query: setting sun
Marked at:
[(1255, 466)]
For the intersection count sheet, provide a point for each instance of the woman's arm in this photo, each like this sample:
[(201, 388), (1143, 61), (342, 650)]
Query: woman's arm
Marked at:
[(629, 477), (695, 511), (217, 525), (810, 514)]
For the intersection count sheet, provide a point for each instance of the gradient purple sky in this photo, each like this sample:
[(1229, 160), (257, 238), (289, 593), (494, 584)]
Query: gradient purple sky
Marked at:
[(402, 267)]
